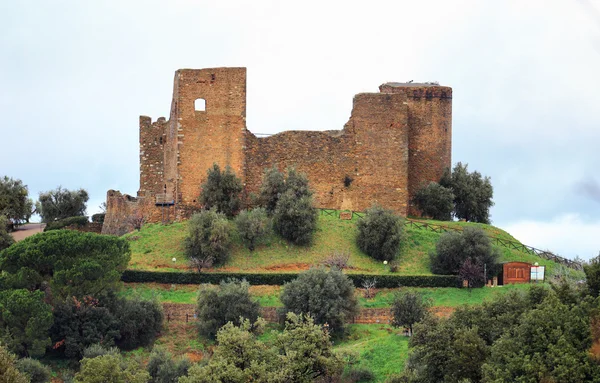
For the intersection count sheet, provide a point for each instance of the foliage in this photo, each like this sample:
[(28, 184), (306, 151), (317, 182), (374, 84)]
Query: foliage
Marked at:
[(229, 303), (408, 308), (435, 201), (24, 321), (14, 201), (592, 275), (272, 187), (140, 321), (380, 233), (453, 249), (338, 259), (74, 263), (79, 324), (98, 217), (472, 272), (361, 375), (61, 203), (328, 296), (253, 226), (301, 353), (111, 368), (383, 281), (472, 193), (221, 191), (8, 371), (295, 218), (164, 369), (34, 370), (97, 349), (79, 221), (209, 238), (5, 239)]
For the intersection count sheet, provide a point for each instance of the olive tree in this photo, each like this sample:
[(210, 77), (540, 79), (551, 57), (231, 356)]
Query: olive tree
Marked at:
[(15, 203), (209, 239), (380, 234), (221, 191), (61, 203)]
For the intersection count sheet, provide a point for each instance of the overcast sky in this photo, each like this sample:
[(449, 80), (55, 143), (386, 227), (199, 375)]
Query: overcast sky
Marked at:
[(76, 75)]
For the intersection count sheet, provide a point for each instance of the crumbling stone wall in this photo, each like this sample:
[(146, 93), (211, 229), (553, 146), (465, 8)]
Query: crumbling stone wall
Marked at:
[(394, 141)]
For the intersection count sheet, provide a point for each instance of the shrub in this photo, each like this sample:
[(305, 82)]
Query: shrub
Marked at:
[(472, 272), (209, 238), (140, 321), (227, 303), (453, 249), (163, 369), (435, 201), (408, 308), (361, 374), (272, 187), (338, 259), (111, 368), (98, 217), (5, 239), (61, 203), (34, 370), (221, 191), (592, 275), (79, 221), (75, 264), (253, 226), (8, 371), (295, 218), (97, 349), (380, 234), (327, 296)]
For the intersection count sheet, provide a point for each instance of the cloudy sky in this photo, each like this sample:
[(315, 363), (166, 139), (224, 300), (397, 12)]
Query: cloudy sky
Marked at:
[(76, 75)]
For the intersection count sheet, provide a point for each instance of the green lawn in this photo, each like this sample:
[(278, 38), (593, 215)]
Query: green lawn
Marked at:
[(155, 246)]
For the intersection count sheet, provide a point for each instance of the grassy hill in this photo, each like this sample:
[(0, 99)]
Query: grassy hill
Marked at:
[(154, 247)]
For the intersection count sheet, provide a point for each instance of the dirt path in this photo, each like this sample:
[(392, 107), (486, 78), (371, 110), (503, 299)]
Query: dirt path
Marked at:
[(27, 230), (179, 312)]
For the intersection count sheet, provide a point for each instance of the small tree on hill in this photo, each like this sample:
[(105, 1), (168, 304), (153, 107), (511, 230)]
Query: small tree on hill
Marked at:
[(61, 203), (209, 239), (592, 275), (227, 303), (111, 368), (221, 191), (472, 193), (380, 234), (326, 296), (408, 308), (272, 187), (295, 218), (34, 370), (253, 226), (435, 201), (14, 201), (453, 249), (472, 271)]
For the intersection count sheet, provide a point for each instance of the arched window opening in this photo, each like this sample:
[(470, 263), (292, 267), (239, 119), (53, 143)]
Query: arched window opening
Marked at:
[(200, 105)]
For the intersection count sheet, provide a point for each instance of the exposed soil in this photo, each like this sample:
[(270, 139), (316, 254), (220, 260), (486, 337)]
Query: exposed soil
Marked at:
[(27, 230)]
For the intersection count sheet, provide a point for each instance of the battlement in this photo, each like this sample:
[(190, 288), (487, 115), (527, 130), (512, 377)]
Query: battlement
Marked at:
[(426, 91)]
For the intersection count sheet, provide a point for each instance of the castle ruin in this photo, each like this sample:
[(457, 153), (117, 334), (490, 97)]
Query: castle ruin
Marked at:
[(394, 141)]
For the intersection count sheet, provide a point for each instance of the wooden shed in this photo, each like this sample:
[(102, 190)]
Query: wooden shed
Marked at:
[(515, 272)]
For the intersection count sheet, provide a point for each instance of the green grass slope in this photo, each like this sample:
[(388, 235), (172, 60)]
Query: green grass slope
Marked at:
[(154, 247)]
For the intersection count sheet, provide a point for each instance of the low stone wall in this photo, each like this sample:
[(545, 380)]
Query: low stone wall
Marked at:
[(91, 227)]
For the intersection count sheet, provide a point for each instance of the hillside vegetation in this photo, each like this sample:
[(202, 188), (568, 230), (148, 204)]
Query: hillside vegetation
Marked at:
[(155, 246)]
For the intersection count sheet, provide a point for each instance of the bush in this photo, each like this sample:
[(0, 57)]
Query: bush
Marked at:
[(80, 221), (361, 374), (5, 239), (327, 296), (61, 203), (435, 201), (163, 369), (227, 303), (253, 226), (380, 234), (383, 281), (272, 187), (99, 350), (34, 370), (209, 238), (140, 321), (453, 249), (295, 218), (111, 368), (221, 191), (408, 308), (8, 371), (338, 259), (592, 275), (74, 263), (98, 217)]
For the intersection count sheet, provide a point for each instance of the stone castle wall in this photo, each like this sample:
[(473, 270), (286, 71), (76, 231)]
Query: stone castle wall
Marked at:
[(394, 141)]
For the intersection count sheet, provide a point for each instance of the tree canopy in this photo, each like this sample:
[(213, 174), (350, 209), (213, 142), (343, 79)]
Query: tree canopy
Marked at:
[(221, 191), (61, 203), (15, 203), (380, 233), (472, 193)]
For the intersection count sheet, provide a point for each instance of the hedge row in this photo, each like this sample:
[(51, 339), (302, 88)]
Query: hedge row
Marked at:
[(383, 281), (62, 223)]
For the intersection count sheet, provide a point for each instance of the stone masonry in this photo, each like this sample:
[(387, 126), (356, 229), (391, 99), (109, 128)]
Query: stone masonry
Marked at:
[(395, 141)]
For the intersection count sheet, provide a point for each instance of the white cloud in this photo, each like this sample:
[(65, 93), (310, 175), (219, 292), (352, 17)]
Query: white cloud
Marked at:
[(568, 235)]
